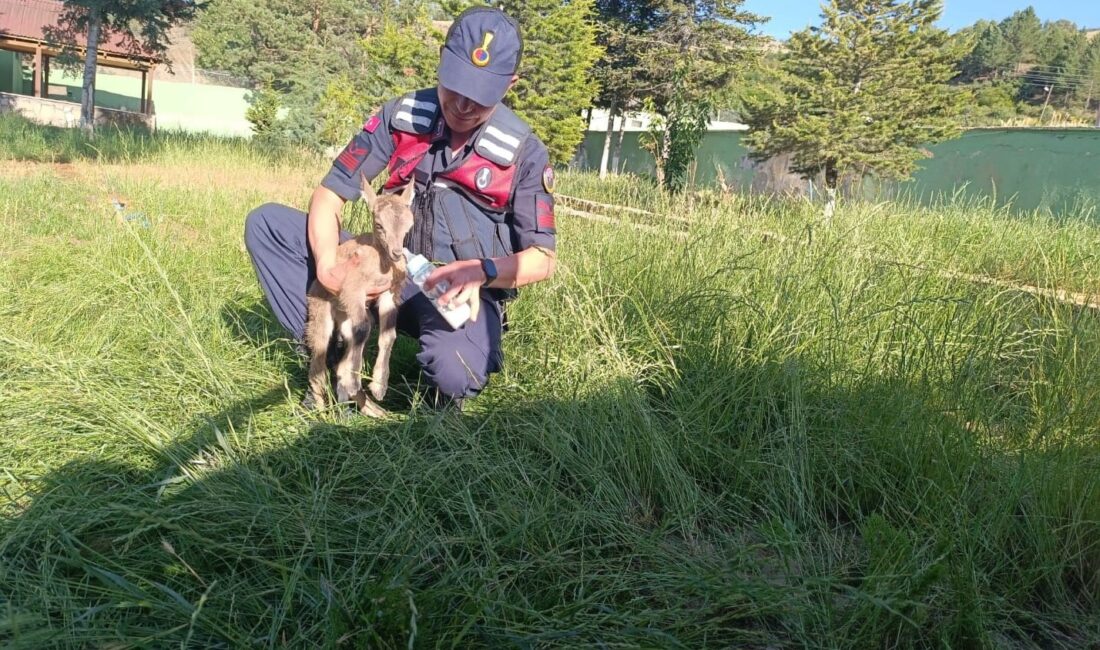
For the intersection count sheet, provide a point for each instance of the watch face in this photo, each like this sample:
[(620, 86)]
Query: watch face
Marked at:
[(490, 269)]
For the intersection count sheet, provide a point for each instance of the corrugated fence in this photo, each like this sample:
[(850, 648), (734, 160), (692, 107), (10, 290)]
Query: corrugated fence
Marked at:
[(1047, 169)]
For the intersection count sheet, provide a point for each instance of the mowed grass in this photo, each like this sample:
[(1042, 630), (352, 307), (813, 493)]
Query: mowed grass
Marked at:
[(715, 439)]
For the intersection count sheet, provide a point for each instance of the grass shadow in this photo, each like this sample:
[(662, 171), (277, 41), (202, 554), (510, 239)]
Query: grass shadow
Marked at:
[(625, 517)]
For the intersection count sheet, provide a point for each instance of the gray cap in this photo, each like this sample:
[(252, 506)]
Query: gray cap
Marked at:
[(480, 55)]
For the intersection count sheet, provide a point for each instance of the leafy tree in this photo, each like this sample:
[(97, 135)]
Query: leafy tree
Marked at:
[(622, 25), (304, 49), (556, 84), (400, 58), (340, 110), (143, 26), (290, 42), (862, 93), (680, 56), (685, 126)]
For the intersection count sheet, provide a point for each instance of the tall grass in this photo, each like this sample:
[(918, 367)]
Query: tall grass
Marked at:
[(25, 141), (723, 441)]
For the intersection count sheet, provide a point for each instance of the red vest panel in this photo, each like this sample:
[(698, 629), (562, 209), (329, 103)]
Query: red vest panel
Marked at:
[(481, 179)]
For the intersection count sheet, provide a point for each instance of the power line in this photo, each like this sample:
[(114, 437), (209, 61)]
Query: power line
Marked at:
[(1071, 68), (1047, 81), (1053, 77), (1062, 75)]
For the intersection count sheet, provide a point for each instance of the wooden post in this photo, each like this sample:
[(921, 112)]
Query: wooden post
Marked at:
[(149, 89), (37, 70), (144, 109), (45, 75)]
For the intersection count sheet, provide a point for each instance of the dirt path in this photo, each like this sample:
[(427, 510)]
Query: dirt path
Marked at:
[(279, 185)]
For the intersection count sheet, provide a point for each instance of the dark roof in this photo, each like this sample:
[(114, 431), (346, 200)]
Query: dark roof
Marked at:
[(29, 19)]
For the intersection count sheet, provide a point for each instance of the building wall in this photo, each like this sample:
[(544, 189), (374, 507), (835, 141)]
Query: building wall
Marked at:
[(178, 105), (66, 114)]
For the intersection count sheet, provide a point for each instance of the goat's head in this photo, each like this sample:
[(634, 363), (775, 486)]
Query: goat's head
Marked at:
[(393, 218)]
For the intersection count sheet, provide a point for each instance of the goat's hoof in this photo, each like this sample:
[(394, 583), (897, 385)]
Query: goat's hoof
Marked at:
[(345, 395), (372, 410), (378, 390), (310, 403)]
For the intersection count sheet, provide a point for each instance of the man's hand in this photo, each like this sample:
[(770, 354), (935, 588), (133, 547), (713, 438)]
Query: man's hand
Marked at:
[(331, 275), (464, 280)]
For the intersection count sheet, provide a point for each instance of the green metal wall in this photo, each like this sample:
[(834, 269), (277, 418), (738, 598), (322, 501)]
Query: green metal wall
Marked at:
[(13, 78), (1053, 169), (7, 74)]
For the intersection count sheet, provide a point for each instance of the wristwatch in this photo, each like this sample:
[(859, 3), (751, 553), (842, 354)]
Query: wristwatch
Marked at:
[(490, 269)]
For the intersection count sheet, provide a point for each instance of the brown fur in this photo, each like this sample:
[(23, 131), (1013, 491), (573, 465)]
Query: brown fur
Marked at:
[(379, 264)]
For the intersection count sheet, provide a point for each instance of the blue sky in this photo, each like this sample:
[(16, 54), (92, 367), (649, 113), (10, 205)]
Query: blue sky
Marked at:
[(793, 15)]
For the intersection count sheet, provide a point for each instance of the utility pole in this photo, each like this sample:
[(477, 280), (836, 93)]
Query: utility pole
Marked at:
[(1049, 90)]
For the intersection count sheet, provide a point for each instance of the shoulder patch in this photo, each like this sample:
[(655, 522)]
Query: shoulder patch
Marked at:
[(544, 213), (372, 124), (548, 179), (353, 155), (416, 112), (498, 145), (503, 137)]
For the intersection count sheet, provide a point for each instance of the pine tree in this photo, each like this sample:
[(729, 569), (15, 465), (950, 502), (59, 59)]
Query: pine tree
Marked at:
[(1023, 30), (1062, 57), (862, 93), (1091, 69), (991, 55)]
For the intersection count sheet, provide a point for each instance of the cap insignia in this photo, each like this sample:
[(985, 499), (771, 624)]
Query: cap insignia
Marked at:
[(480, 56)]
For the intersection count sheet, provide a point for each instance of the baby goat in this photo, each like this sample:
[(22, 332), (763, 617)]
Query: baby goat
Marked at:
[(376, 263)]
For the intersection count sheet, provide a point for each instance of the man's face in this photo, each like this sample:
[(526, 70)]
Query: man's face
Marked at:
[(462, 113)]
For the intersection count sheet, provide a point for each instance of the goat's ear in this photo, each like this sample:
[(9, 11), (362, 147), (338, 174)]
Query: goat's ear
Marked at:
[(369, 195), (407, 194)]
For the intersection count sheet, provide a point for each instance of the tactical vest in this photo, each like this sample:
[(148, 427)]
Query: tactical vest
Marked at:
[(464, 212)]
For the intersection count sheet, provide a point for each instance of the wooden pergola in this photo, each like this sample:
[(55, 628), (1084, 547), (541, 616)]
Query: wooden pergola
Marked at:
[(23, 28)]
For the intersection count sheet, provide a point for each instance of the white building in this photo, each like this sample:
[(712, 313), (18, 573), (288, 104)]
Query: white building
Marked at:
[(641, 121)]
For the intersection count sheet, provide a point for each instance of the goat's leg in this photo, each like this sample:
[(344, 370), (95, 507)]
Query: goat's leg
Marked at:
[(387, 334), (355, 329), (320, 327), (349, 371)]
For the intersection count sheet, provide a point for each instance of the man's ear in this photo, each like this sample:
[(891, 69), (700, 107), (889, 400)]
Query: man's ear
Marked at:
[(511, 83)]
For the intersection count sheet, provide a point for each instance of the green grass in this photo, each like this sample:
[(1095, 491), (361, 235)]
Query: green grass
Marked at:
[(723, 441)]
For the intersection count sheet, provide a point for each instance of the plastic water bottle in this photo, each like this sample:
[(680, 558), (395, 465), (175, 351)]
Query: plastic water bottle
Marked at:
[(419, 268)]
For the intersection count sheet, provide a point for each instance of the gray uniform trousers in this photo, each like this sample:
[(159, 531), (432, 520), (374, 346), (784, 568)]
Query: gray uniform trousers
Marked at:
[(456, 362)]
